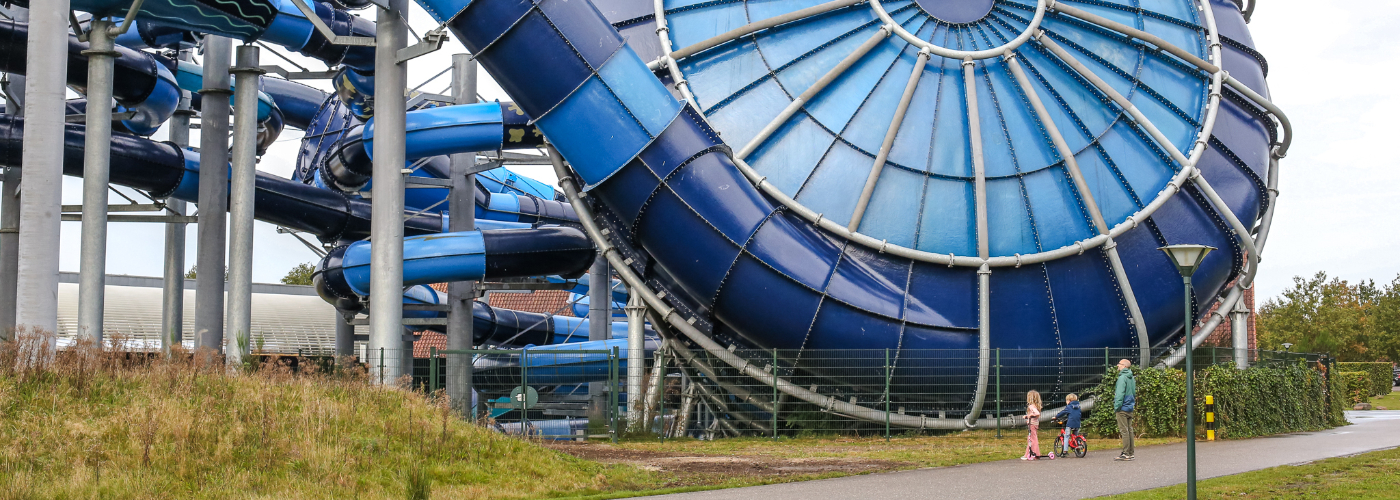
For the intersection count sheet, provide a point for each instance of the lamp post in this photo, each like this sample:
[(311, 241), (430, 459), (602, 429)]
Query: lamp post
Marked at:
[(1187, 259)]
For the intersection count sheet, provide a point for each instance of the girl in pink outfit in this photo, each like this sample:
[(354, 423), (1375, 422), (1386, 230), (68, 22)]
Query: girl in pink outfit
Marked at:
[(1033, 421)]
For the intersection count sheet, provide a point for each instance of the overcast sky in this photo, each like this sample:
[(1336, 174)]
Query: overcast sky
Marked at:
[(1336, 186)]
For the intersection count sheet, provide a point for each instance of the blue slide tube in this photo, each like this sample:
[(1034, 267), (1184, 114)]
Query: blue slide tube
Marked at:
[(755, 273), (142, 82), (466, 256), (554, 364)]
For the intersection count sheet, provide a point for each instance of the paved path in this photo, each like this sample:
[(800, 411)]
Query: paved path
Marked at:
[(1095, 475)]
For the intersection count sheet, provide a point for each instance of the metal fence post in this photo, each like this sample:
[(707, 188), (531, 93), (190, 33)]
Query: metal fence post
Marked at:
[(998, 365), (612, 395), (524, 391), (432, 369), (381, 365), (775, 394), (887, 394), (1106, 364)]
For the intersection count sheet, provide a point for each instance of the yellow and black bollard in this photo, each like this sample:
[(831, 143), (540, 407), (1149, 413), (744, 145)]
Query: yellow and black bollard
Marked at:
[(1210, 418)]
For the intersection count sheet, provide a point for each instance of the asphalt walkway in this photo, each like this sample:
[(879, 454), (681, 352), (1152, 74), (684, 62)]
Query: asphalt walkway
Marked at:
[(1095, 475)]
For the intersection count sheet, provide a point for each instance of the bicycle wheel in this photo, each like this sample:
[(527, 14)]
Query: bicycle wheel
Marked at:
[(1060, 446), (1080, 446)]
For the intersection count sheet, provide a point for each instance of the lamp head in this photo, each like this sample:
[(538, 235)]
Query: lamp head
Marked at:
[(1186, 258)]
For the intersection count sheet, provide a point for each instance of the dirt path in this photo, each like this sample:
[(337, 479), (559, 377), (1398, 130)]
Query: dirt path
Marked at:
[(692, 469)]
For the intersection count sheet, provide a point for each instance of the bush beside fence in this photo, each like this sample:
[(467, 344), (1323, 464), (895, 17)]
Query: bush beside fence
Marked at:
[(1356, 386), (1379, 375), (1252, 402)]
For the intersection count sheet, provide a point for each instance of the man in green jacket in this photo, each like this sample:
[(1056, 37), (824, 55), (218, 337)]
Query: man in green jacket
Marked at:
[(1124, 402)]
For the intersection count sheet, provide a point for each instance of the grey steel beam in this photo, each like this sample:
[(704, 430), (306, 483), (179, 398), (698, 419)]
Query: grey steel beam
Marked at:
[(884, 154), (984, 273), (344, 338), (386, 223), (241, 192), (636, 352), (172, 317), (746, 29), (1239, 334), (599, 328), (461, 209), (816, 88), (36, 303), (9, 204), (1080, 185), (97, 152), (213, 194)]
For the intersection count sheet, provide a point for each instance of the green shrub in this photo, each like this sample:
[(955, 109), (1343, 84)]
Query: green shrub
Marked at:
[(1380, 374), (1358, 386), (1252, 402)]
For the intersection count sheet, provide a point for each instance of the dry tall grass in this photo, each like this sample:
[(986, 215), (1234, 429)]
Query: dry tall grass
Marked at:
[(90, 422)]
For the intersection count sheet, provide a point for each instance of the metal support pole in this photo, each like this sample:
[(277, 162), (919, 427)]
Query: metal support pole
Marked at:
[(36, 301), (600, 328), (9, 205), (611, 414), (1239, 332), (97, 152), (887, 395), (461, 209), (344, 337), (386, 223), (636, 350), (172, 317), (1190, 400), (213, 194), (241, 189), (998, 394), (775, 395)]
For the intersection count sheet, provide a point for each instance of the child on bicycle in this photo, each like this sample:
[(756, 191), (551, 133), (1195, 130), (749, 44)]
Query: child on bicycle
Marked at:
[(1070, 415), (1032, 417)]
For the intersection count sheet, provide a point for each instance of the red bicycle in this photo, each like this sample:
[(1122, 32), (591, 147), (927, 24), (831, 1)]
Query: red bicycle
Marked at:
[(1068, 442)]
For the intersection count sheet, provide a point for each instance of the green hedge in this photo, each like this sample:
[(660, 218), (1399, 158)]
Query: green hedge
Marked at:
[(1357, 386), (1381, 375), (1253, 402)]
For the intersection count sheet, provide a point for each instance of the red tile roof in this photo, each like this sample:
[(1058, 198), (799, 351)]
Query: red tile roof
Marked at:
[(554, 302)]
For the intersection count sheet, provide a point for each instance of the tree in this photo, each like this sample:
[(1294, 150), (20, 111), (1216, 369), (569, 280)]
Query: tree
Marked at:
[(1353, 322), (300, 275), (195, 273)]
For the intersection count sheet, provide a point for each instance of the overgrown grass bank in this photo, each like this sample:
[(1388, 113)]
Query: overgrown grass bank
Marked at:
[(99, 424)]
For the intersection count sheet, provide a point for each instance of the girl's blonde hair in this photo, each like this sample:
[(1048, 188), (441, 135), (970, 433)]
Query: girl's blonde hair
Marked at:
[(1072, 397), (1033, 399)]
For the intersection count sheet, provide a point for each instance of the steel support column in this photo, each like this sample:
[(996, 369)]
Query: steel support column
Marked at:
[(344, 338), (172, 317), (386, 228), (461, 209), (1239, 333), (636, 352), (241, 189), (97, 152), (213, 194), (36, 302), (599, 328), (9, 204)]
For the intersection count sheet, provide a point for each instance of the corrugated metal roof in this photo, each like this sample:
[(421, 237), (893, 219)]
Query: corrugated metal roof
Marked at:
[(281, 323)]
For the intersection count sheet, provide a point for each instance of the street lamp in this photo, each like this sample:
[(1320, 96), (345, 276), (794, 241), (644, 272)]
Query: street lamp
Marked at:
[(1187, 259)]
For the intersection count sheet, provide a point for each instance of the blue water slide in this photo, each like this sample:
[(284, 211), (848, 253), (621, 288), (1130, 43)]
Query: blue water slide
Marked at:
[(274, 21), (163, 170), (750, 268), (579, 303), (142, 83), (436, 131), (465, 256), (556, 364)]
